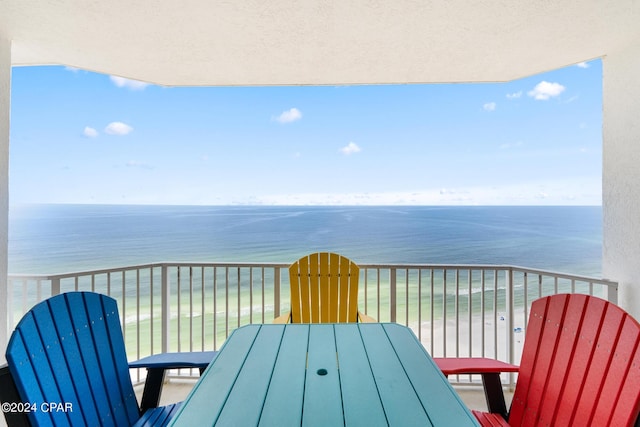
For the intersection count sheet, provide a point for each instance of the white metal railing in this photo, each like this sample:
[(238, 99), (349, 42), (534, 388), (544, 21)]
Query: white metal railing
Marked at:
[(455, 310)]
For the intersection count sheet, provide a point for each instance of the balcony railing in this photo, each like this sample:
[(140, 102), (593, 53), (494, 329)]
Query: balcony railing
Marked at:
[(455, 310)]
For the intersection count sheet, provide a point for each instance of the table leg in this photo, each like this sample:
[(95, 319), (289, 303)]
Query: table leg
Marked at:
[(152, 388), (494, 394)]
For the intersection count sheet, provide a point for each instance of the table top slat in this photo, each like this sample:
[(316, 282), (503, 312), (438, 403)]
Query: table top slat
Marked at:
[(286, 390), (322, 397), (438, 398), (361, 401), (253, 381), (212, 395), (318, 375), (402, 406)]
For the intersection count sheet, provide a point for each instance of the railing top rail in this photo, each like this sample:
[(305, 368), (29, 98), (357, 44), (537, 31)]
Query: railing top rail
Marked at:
[(492, 267), (565, 275), (397, 266), (47, 276)]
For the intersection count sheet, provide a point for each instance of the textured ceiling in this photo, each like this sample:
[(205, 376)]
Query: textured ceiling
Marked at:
[(204, 42)]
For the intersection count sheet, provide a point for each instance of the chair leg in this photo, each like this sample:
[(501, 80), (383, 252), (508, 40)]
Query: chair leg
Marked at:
[(494, 394), (9, 394), (152, 388)]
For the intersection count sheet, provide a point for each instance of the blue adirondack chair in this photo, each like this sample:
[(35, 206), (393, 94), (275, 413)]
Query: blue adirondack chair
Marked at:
[(67, 359)]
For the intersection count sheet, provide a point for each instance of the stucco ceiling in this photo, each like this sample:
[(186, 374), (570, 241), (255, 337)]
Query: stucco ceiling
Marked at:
[(257, 42)]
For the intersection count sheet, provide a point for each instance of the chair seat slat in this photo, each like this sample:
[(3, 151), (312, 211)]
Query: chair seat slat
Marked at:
[(158, 417), (490, 420)]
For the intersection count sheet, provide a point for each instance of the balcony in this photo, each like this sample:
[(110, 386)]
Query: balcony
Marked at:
[(454, 310)]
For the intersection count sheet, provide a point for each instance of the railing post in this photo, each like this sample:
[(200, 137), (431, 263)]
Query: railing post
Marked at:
[(165, 304), (509, 302), (6, 321), (392, 290), (5, 107), (612, 293), (276, 292), (55, 286)]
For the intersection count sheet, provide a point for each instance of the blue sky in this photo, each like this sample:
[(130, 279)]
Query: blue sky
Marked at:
[(83, 137)]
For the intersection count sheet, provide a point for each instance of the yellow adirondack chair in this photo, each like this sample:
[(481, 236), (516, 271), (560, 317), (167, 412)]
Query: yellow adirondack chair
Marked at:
[(324, 289)]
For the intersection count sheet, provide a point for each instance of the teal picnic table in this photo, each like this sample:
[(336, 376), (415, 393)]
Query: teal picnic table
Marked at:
[(350, 374)]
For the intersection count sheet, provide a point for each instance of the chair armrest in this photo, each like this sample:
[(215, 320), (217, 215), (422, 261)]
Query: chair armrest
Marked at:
[(285, 318), (363, 318), (490, 370), (191, 359), (472, 365), (157, 364)]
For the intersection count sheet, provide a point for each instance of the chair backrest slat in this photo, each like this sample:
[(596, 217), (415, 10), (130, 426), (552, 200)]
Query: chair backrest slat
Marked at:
[(562, 360), (334, 316), (30, 359), (315, 281), (595, 376), (78, 360), (580, 353), (349, 288), (324, 289), (621, 377), (70, 349)]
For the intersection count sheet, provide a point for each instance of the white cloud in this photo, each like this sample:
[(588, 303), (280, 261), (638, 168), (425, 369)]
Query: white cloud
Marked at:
[(563, 192), (138, 164), (350, 148), (570, 100), (545, 90), (118, 128), (289, 116), (128, 83), (583, 65), (90, 132), (514, 95), (489, 106), (508, 145)]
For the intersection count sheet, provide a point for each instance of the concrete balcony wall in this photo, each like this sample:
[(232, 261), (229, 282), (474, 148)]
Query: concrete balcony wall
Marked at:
[(5, 91), (621, 174)]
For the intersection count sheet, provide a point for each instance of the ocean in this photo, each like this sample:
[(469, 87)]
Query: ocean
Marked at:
[(48, 239)]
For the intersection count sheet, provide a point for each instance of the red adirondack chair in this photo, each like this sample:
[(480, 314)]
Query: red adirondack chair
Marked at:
[(580, 367)]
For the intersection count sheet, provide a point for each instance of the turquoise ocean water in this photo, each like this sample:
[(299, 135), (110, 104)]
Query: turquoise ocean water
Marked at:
[(64, 238), (49, 239)]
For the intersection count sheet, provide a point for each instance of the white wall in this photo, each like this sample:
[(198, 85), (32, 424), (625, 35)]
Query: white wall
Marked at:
[(5, 88), (621, 174)]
